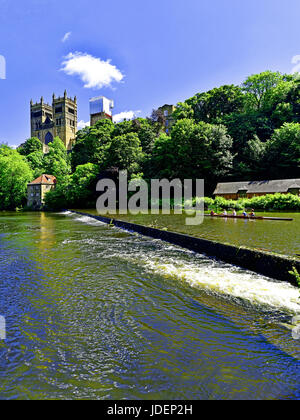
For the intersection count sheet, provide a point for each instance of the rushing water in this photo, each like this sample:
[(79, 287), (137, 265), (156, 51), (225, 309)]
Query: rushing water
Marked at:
[(95, 312)]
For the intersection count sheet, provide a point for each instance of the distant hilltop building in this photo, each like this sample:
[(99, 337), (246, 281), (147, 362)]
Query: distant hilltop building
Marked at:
[(58, 119), (236, 190), (166, 112), (100, 109)]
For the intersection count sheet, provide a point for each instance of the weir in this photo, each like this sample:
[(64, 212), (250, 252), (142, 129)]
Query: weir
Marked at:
[(262, 262)]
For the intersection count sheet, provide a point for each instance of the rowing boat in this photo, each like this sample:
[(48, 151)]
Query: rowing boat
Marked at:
[(231, 216)]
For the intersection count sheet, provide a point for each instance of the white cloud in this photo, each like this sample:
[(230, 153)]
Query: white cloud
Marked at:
[(296, 60), (82, 124), (126, 115), (66, 36), (94, 72)]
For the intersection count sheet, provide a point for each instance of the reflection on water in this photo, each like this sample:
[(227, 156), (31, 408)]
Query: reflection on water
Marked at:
[(95, 312)]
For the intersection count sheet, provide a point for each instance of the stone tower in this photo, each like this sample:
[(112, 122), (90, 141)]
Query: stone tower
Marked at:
[(60, 120), (65, 119), (42, 122)]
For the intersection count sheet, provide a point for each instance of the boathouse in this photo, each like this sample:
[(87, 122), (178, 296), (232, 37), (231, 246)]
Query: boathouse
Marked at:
[(37, 190), (244, 189)]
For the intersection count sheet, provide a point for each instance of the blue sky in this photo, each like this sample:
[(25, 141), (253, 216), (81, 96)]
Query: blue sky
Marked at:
[(142, 54)]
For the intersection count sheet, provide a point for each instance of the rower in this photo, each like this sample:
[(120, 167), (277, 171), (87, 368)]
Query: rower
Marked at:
[(245, 213), (224, 213), (234, 213), (252, 214), (212, 213)]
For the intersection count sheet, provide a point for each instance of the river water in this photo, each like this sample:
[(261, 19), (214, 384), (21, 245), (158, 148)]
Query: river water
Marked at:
[(95, 312), (282, 237)]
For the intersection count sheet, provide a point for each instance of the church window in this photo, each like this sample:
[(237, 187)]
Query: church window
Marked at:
[(48, 138)]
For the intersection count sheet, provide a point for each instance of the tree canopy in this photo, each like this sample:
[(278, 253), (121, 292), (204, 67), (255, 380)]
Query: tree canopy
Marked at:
[(229, 133), (15, 174)]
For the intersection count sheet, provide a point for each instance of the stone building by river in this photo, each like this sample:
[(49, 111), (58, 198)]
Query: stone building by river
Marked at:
[(244, 189), (37, 190)]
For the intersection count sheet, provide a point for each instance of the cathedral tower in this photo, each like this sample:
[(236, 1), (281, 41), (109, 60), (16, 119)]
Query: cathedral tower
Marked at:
[(42, 122), (65, 119), (59, 120)]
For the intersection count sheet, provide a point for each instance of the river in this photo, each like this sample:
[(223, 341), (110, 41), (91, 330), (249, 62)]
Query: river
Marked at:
[(282, 237), (93, 312)]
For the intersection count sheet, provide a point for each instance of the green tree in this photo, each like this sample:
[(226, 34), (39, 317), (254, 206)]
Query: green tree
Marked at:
[(243, 127), (253, 165), (283, 152), (59, 198), (213, 105), (259, 88), (146, 133), (15, 174), (56, 160), (183, 110), (33, 150), (123, 127), (161, 162), (82, 188), (36, 163), (91, 144), (124, 152), (193, 151), (31, 145)]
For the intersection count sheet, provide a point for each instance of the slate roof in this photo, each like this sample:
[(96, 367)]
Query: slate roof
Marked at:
[(44, 180), (256, 187)]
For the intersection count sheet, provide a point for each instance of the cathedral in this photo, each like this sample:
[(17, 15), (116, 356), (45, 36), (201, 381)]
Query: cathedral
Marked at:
[(60, 120)]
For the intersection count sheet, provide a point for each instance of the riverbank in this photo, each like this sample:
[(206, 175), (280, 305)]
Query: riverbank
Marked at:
[(265, 263)]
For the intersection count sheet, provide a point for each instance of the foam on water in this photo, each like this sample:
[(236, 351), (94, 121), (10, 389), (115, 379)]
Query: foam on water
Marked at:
[(230, 280), (205, 273), (88, 220)]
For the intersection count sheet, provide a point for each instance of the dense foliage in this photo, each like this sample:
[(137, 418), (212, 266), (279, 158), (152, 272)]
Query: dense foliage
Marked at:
[(230, 133), (15, 173), (268, 202)]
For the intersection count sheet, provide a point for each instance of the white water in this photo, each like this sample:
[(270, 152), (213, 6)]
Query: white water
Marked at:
[(88, 220), (230, 280)]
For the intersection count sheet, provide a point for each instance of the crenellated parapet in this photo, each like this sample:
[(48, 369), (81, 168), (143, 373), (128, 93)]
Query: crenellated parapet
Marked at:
[(58, 119)]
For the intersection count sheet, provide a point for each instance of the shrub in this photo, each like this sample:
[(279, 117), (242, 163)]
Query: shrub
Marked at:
[(269, 202)]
